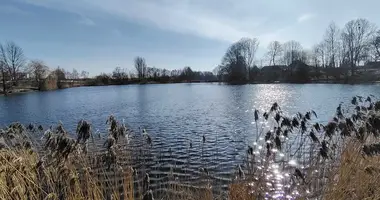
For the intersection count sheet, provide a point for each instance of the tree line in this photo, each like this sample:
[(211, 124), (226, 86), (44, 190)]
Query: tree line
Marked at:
[(144, 74), (355, 44), (14, 67), (341, 50)]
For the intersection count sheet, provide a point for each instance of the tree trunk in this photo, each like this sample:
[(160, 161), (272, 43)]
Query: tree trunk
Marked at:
[(4, 86)]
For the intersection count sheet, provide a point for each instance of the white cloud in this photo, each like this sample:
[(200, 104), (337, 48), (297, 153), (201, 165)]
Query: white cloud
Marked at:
[(87, 21), (222, 20), (305, 17), (12, 10)]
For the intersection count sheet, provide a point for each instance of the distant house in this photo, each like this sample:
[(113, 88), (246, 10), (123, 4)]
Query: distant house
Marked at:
[(372, 65), (272, 73)]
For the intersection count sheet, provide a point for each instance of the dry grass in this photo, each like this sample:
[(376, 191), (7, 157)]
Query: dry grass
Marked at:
[(337, 161), (23, 176), (357, 176)]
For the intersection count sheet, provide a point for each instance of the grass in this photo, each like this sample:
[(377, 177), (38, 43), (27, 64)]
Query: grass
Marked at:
[(292, 157)]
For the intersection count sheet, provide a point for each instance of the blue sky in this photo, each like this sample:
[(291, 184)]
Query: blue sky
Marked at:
[(98, 35)]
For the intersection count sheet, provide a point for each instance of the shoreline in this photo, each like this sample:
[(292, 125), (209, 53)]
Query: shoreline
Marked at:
[(30, 90)]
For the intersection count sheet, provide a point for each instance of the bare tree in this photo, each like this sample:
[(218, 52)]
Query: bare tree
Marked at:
[(331, 39), (292, 51), (274, 51), (320, 53), (3, 76), (13, 58), (357, 35), (375, 46), (119, 73), (75, 74), (84, 74), (140, 66), (249, 51), (238, 60), (38, 69), (68, 75)]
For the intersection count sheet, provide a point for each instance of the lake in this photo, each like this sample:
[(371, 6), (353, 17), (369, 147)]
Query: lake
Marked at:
[(177, 114)]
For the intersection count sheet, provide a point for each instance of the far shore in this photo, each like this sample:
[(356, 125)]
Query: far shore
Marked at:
[(22, 90)]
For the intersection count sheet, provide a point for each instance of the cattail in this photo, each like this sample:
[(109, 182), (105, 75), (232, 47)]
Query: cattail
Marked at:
[(30, 127), (149, 140), (204, 170), (250, 150), (268, 135), (274, 107), (241, 172), (278, 142), (83, 131), (307, 115), (191, 145), (109, 142), (286, 133), (265, 115), (148, 195), (314, 113), (377, 106), (295, 122), (299, 174), (303, 126), (269, 149), (313, 137), (372, 149), (323, 151), (277, 117), (368, 99), (278, 131), (256, 115), (203, 138), (286, 122), (317, 127), (330, 129), (339, 112), (354, 101), (299, 115), (146, 182)]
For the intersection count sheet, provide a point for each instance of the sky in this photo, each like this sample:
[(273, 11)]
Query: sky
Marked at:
[(99, 35)]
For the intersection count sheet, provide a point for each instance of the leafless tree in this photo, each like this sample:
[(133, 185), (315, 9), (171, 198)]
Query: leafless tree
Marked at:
[(238, 60), (75, 74), (274, 51), (375, 46), (357, 35), (68, 75), (292, 51), (140, 66), (38, 69), (13, 58), (119, 73), (249, 48), (320, 54), (249, 51), (84, 74), (3, 76), (331, 38)]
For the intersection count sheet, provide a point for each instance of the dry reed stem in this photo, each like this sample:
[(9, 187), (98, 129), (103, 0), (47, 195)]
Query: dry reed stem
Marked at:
[(357, 176)]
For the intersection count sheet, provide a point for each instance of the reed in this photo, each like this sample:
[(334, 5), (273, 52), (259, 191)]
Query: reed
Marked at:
[(292, 157)]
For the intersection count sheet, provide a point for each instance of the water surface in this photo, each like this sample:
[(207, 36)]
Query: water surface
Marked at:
[(177, 114)]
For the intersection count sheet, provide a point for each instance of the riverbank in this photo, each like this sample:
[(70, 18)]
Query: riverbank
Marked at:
[(30, 86)]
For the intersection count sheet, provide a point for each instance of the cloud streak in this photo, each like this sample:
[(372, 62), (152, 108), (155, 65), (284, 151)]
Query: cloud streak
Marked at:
[(12, 10), (86, 21), (217, 20), (305, 17)]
